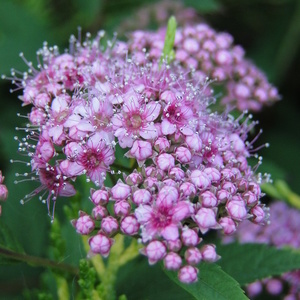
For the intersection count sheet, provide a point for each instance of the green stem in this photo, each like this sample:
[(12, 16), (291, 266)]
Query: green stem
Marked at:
[(38, 261)]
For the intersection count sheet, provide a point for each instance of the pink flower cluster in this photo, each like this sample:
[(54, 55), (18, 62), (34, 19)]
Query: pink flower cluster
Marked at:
[(3, 191), (283, 231), (212, 54), (190, 172)]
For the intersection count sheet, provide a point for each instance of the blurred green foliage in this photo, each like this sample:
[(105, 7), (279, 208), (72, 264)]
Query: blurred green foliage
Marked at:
[(269, 30)]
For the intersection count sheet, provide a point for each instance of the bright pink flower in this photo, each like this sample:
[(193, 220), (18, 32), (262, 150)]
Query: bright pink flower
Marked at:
[(135, 119), (92, 158)]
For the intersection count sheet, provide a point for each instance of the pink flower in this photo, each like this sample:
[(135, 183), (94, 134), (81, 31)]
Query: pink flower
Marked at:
[(92, 158), (135, 119)]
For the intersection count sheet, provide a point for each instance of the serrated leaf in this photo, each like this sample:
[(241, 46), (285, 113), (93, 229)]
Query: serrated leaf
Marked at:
[(250, 262), (213, 284), (9, 242)]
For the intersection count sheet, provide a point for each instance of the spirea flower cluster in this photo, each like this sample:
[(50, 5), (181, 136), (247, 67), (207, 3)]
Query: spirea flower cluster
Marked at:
[(283, 231), (188, 169), (209, 53)]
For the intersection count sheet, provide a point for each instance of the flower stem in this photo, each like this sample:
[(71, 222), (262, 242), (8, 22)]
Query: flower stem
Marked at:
[(38, 261)]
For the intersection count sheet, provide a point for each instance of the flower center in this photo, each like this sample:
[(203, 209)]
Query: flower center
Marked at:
[(134, 121)]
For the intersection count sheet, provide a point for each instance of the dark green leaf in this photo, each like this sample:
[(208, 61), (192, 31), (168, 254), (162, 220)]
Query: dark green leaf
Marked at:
[(213, 284), (250, 262)]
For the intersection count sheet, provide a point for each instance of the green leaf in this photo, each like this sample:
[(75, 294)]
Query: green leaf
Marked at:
[(8, 241), (213, 284), (168, 52), (250, 262)]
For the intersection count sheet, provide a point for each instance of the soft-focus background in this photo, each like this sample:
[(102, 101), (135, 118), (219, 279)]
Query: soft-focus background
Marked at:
[(269, 30)]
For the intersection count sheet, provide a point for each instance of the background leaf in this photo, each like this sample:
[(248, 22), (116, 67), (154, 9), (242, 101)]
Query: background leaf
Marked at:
[(213, 284), (250, 262), (8, 241)]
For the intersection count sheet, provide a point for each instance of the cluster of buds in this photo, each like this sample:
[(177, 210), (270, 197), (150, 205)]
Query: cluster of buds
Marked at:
[(212, 54), (283, 231), (3, 191), (189, 169)]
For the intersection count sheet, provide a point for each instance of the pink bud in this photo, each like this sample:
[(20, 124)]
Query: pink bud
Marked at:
[(191, 45), (209, 253), (1, 177), (174, 245), (193, 256), (37, 116), (100, 244), (155, 251), (200, 179), (134, 178), (208, 199), (3, 192), (254, 188), (223, 196), (122, 208), (167, 196), (177, 173), (130, 225), (165, 161), (213, 174), (194, 142), (172, 261), (228, 225), (250, 198), (223, 57), (141, 196), (205, 218), (274, 286), (141, 150), (109, 225), (188, 274), (99, 197), (183, 155), (120, 191), (258, 214), (99, 212), (187, 189), (236, 209), (161, 144), (189, 237), (229, 186), (84, 225)]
